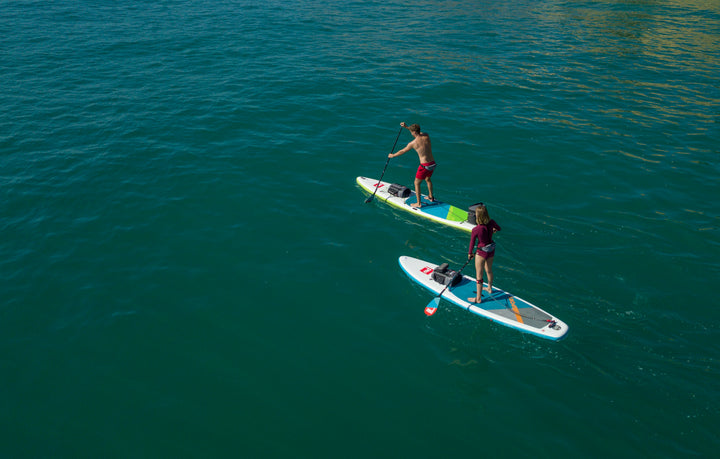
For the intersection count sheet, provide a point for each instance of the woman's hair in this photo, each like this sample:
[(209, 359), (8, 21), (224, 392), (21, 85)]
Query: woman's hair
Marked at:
[(481, 215)]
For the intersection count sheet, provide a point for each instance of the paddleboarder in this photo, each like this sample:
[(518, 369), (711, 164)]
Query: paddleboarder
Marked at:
[(482, 245), (421, 144)]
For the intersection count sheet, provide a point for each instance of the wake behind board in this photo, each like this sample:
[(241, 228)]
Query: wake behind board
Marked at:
[(500, 306), (434, 210)]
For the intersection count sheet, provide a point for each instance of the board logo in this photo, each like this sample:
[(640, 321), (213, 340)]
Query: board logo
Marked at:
[(426, 270)]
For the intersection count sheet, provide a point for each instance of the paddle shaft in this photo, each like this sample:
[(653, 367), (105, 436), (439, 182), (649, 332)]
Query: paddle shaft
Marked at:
[(377, 185)]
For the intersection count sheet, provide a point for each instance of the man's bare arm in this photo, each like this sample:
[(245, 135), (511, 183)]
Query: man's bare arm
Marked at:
[(403, 151)]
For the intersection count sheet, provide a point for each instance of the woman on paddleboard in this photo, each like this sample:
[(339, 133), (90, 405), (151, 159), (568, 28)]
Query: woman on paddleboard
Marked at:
[(481, 237)]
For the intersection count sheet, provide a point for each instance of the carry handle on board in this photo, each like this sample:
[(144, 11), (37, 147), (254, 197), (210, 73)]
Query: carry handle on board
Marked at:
[(435, 302)]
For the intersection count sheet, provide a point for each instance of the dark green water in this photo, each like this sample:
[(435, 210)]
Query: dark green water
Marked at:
[(188, 269)]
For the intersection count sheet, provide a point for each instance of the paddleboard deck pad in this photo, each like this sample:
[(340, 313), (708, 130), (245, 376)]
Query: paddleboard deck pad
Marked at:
[(438, 211), (500, 307)]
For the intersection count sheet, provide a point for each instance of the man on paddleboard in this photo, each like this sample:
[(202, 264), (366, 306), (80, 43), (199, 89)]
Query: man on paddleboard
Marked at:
[(421, 144)]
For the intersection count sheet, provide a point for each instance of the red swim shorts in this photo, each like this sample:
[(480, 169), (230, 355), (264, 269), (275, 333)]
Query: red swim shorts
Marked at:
[(425, 170)]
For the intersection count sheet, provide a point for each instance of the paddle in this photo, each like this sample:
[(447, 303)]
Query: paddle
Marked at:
[(386, 164), (435, 302)]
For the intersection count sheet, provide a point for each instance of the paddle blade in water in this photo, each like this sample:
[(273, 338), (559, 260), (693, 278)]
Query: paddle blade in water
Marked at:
[(432, 306)]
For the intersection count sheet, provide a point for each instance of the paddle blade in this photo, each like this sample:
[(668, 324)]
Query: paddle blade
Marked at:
[(368, 199), (432, 306)]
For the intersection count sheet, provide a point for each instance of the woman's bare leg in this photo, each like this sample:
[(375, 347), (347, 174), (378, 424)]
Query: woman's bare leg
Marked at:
[(479, 268), (489, 271)]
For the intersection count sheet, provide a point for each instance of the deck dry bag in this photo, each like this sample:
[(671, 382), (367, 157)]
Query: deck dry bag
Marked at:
[(444, 276), (471, 212), (399, 190)]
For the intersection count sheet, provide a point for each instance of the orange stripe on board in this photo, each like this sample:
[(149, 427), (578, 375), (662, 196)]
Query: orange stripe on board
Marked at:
[(515, 310)]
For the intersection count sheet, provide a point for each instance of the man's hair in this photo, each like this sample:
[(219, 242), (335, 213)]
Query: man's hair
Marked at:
[(414, 128)]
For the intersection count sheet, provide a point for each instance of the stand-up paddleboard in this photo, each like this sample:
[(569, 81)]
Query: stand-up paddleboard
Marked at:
[(500, 306), (434, 210)]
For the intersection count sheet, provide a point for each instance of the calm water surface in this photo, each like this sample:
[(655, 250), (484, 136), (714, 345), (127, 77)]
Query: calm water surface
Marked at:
[(187, 267)]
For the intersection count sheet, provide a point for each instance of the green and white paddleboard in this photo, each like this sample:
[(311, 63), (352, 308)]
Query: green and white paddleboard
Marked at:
[(438, 211)]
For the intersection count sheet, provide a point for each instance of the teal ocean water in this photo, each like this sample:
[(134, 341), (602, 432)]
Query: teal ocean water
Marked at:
[(188, 268)]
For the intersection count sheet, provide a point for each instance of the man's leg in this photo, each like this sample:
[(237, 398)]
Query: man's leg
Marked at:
[(417, 193)]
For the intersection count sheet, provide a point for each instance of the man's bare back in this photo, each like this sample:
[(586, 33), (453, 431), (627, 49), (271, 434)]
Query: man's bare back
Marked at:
[(421, 144)]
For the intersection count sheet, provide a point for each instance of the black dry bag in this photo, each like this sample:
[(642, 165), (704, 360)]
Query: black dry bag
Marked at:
[(471, 212), (444, 276), (399, 190)]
